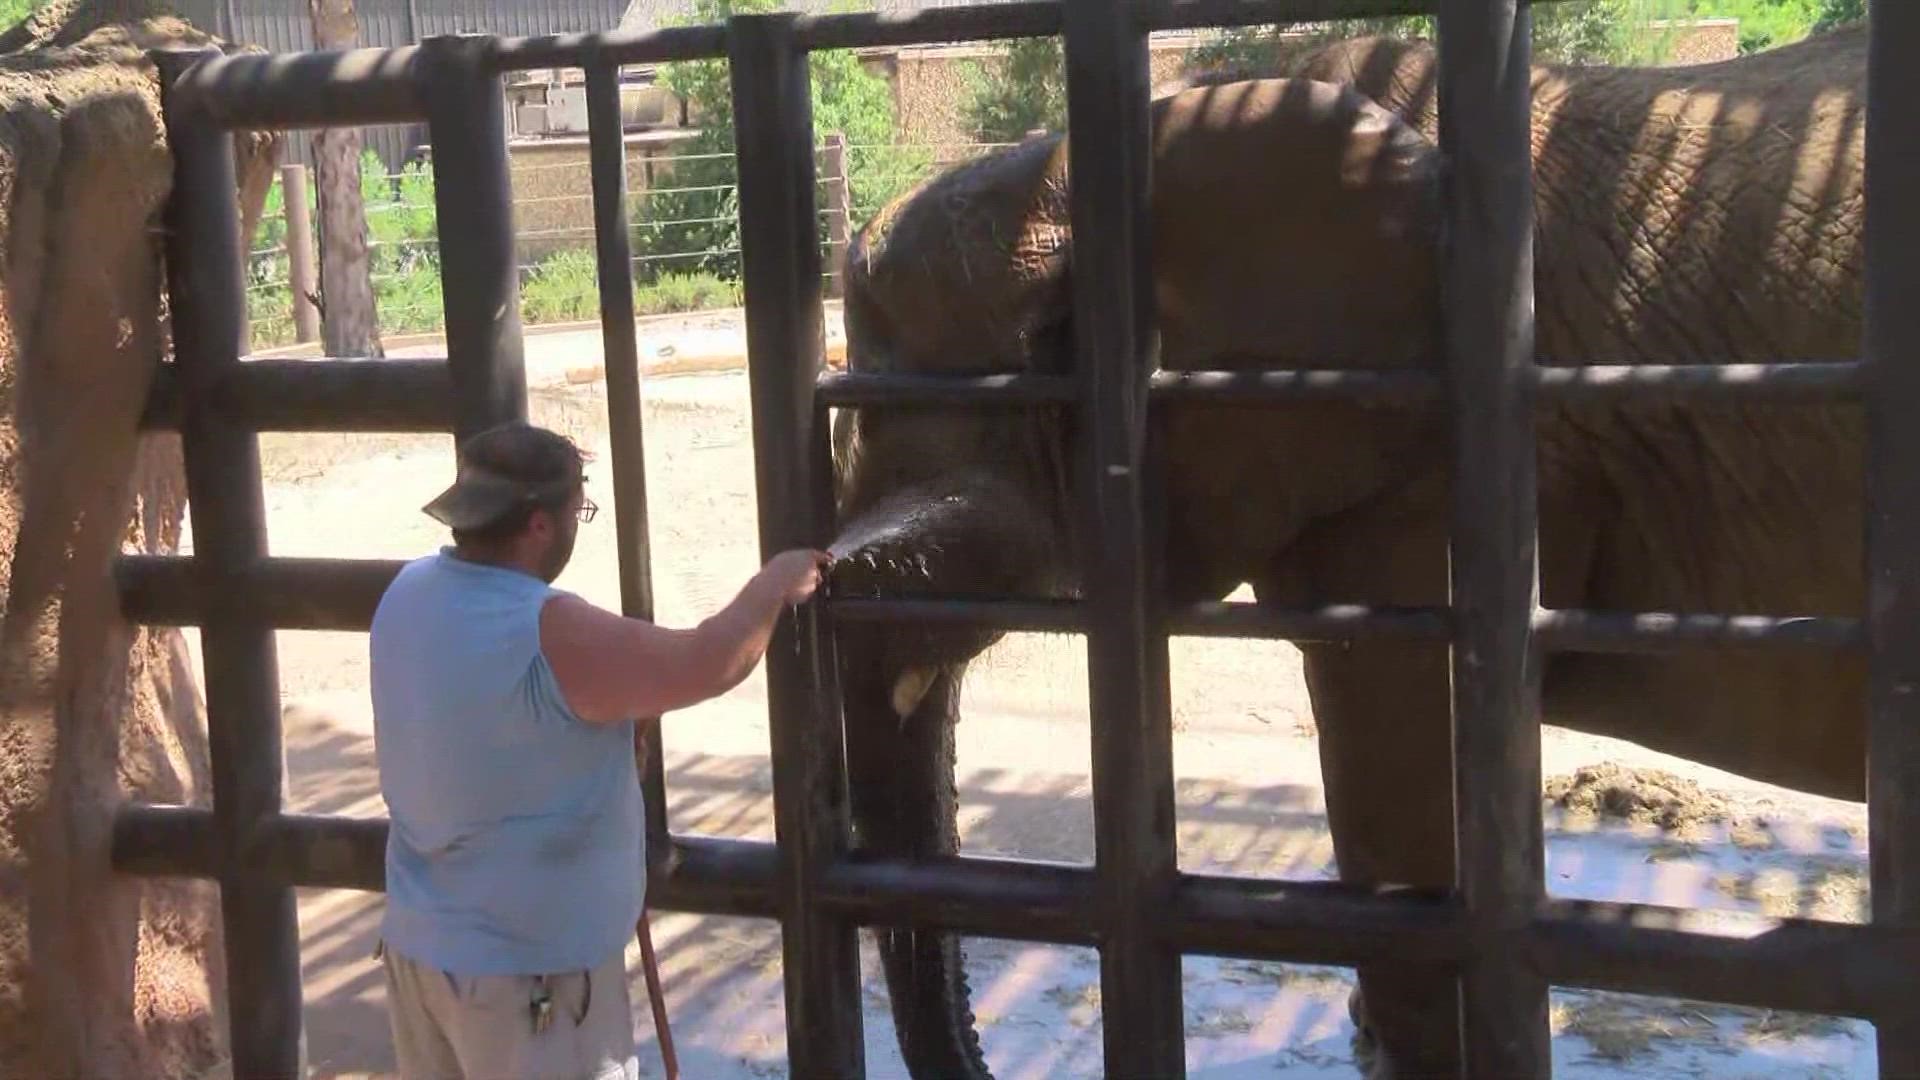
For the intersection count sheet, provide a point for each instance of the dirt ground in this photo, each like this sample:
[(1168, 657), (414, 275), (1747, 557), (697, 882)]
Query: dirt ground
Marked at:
[(1249, 791)]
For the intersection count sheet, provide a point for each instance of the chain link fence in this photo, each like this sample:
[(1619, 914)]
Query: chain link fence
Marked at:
[(682, 209)]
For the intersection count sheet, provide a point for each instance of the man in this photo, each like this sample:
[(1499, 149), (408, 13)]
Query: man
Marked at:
[(504, 712)]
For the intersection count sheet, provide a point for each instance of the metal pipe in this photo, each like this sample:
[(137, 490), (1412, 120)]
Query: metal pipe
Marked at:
[(620, 350), (304, 90), (279, 592), (1241, 388), (473, 197), (1835, 968), (1811, 382), (1893, 505), (207, 288), (1143, 1020), (1008, 898), (780, 271), (1487, 305), (319, 395), (1333, 623), (661, 46), (977, 22), (1315, 922), (1650, 633), (855, 389)]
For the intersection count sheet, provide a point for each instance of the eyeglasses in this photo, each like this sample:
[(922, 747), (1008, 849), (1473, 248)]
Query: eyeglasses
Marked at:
[(588, 508)]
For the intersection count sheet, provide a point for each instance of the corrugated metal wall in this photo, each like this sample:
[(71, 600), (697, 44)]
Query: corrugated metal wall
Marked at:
[(285, 26)]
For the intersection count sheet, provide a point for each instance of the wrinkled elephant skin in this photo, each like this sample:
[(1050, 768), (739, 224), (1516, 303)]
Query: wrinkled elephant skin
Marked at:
[(1688, 215)]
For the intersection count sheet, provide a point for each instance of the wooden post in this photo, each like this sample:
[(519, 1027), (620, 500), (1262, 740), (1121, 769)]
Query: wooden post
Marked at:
[(349, 320), (302, 270), (838, 196)]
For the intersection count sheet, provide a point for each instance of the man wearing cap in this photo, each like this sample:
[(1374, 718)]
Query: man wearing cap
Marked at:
[(504, 712)]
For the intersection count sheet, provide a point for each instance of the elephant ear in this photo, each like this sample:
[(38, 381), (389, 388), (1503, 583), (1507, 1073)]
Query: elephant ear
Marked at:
[(966, 273), (1295, 223), (1401, 75)]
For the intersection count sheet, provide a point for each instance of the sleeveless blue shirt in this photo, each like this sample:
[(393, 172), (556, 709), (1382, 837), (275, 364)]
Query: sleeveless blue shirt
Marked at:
[(517, 839)]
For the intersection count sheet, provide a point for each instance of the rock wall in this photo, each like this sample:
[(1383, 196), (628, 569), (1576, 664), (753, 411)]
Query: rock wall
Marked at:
[(100, 975)]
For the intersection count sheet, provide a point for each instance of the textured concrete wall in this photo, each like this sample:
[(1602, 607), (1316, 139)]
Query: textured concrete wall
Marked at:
[(553, 187)]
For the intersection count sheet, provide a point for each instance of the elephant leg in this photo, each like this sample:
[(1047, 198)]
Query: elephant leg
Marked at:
[(1383, 715)]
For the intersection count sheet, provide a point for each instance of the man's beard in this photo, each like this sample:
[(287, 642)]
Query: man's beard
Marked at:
[(556, 557)]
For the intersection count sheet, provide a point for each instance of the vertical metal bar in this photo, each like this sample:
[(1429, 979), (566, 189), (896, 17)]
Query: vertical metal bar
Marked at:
[(207, 287), (1114, 347), (621, 352), (473, 200), (1486, 123), (1893, 501), (780, 264)]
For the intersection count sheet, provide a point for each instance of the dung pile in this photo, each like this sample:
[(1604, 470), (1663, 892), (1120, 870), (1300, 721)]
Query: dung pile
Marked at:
[(1611, 791)]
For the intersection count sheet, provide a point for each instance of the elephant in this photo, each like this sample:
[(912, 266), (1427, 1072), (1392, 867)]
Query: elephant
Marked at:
[(1692, 215)]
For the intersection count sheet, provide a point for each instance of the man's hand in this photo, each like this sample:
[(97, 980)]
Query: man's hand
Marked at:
[(796, 574)]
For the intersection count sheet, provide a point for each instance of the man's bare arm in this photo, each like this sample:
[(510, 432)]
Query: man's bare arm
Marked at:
[(612, 668)]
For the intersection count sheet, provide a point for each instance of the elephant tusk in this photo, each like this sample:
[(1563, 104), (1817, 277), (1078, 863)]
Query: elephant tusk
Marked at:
[(910, 688)]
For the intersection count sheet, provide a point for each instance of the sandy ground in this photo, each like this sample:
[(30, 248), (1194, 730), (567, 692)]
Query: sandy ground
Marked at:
[(1249, 792)]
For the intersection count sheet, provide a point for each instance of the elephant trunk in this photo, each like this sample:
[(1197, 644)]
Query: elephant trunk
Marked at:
[(904, 802), (901, 687)]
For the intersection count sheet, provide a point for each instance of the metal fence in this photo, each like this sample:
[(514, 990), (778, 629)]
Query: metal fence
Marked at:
[(552, 249), (1497, 929)]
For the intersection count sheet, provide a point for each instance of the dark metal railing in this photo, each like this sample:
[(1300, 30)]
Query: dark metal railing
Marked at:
[(1498, 929)]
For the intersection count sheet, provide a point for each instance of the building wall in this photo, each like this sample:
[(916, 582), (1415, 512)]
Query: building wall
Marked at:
[(553, 186)]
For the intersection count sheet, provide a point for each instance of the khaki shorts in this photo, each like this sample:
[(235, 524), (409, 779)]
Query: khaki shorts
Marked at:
[(481, 1027)]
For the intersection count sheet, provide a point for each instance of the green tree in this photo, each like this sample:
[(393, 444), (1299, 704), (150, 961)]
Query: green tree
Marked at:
[(1837, 13), (691, 221), (1026, 91), (15, 12)]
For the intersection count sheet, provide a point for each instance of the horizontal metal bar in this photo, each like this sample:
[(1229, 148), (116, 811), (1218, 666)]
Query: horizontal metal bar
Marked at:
[(1799, 381), (1395, 386), (930, 26), (1796, 381), (165, 841), (322, 851), (320, 395), (1840, 969), (1334, 623), (1006, 898), (1011, 616), (852, 390), (712, 876), (1200, 14), (341, 594), (1315, 922), (660, 46), (703, 874), (289, 594), (1664, 632), (293, 90)]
